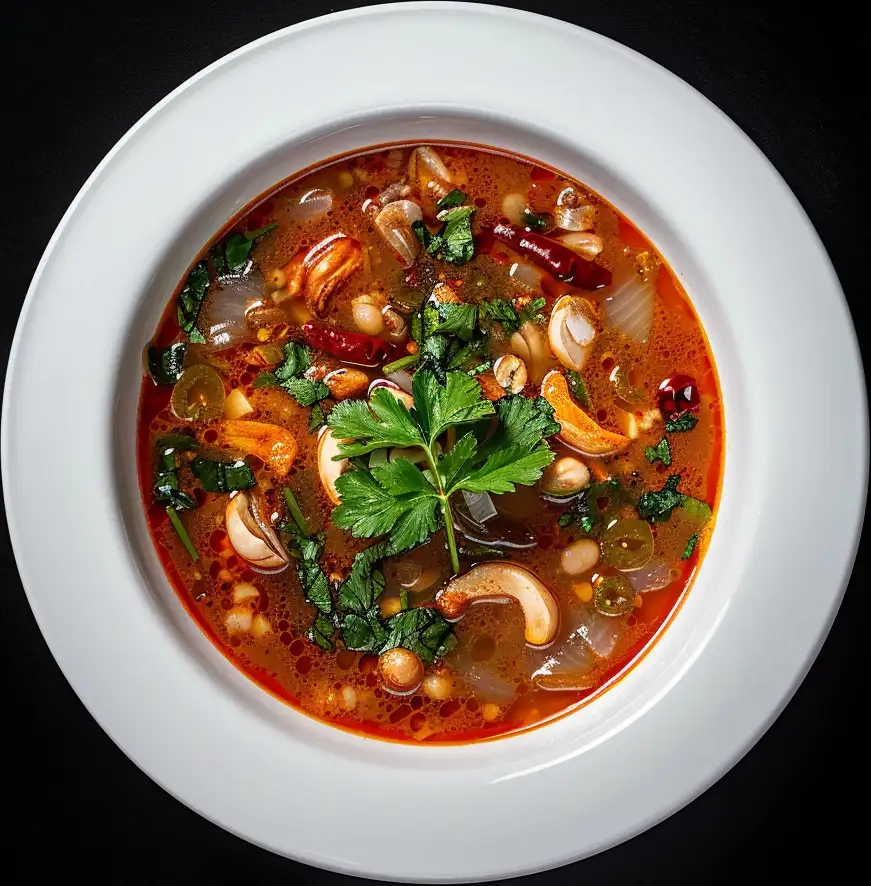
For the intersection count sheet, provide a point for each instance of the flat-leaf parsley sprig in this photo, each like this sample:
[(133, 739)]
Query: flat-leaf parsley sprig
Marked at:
[(408, 504)]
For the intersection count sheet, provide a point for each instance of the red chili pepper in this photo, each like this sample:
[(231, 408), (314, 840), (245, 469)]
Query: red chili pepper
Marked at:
[(352, 347), (559, 260), (678, 395)]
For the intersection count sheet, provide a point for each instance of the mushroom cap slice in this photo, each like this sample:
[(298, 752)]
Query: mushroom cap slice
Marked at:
[(328, 469), (251, 538), (577, 429), (501, 582), (572, 331), (394, 390)]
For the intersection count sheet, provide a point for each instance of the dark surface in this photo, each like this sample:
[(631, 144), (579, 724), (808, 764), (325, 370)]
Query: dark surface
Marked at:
[(77, 77)]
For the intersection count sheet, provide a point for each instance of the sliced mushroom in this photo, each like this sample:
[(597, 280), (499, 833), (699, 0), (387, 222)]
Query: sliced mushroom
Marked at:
[(394, 223), (510, 372), (318, 273), (394, 390), (572, 331), (346, 383), (564, 477), (577, 429), (400, 670), (500, 583), (328, 469), (251, 537), (270, 443)]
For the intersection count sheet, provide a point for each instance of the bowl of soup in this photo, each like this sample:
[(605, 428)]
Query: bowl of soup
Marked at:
[(412, 474)]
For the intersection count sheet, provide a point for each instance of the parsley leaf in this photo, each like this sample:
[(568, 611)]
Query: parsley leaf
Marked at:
[(662, 452), (691, 546), (362, 629), (306, 391), (454, 242), (507, 466), (383, 422), (451, 199), (165, 365), (423, 630), (437, 407), (577, 388), (219, 476), (685, 422), (656, 507), (289, 376), (459, 320), (533, 312), (499, 310), (190, 300), (231, 256)]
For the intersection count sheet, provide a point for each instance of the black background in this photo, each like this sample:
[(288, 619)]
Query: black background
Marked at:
[(77, 77)]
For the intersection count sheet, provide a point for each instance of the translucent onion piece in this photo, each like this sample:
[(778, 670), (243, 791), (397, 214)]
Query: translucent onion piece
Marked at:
[(312, 205), (394, 223), (628, 304), (484, 681), (223, 318), (425, 164), (480, 505), (401, 379), (526, 274), (567, 666), (570, 218), (652, 577), (502, 531), (600, 632)]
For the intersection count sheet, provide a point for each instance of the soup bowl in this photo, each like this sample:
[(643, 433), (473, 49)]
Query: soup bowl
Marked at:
[(757, 612)]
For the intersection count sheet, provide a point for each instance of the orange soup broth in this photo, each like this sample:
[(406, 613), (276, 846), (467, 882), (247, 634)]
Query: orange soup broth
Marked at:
[(319, 683)]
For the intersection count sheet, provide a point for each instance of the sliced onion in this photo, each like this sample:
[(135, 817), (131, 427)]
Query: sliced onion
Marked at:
[(401, 379), (480, 505), (487, 685), (313, 204), (652, 577), (223, 318), (526, 274), (567, 666), (502, 531), (425, 164), (394, 158), (394, 223), (628, 303), (513, 207), (600, 632), (584, 243)]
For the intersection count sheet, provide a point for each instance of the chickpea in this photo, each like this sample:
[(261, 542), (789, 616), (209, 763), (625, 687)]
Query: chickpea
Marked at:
[(565, 476), (439, 687), (580, 556), (401, 671)]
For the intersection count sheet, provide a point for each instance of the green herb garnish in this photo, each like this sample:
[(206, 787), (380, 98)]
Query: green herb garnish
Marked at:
[(533, 312), (165, 365), (533, 220), (290, 376), (691, 546), (594, 504), (182, 532), (190, 300), (166, 486), (220, 476), (451, 199), (295, 511), (398, 498), (454, 241), (685, 422), (401, 363), (577, 388), (657, 507), (424, 631), (661, 452), (231, 256)]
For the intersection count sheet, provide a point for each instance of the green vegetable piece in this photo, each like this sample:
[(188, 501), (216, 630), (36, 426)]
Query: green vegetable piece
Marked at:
[(691, 546), (454, 242), (498, 310), (661, 452), (685, 422), (424, 631), (656, 507), (627, 544), (534, 221), (594, 505), (533, 312), (219, 476), (613, 595), (182, 532), (165, 365), (238, 246), (166, 486), (451, 199), (289, 376), (458, 320), (577, 388), (401, 363), (190, 300)]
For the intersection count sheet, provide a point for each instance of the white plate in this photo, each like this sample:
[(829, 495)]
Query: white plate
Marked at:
[(793, 395)]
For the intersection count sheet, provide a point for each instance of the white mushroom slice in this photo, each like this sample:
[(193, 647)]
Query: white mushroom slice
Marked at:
[(393, 389), (251, 538), (572, 331), (500, 583), (328, 469)]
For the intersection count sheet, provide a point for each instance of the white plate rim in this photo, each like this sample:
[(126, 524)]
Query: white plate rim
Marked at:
[(857, 454)]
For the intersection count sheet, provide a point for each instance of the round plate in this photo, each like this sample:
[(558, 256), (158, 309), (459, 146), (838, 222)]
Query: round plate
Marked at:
[(792, 386)]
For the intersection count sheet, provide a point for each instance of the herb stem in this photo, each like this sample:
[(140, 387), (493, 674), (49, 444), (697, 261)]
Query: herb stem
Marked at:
[(295, 511), (446, 511), (401, 363), (182, 532)]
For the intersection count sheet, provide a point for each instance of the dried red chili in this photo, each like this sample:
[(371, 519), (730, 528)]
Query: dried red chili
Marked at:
[(352, 347)]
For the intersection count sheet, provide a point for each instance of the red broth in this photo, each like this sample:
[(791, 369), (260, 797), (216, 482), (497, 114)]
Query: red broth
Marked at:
[(494, 682)]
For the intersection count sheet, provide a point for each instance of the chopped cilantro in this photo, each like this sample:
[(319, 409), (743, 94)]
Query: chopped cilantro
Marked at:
[(231, 256), (459, 320), (454, 241), (691, 546), (661, 452), (219, 476), (165, 365), (534, 221), (657, 506), (685, 422), (533, 312), (451, 199), (289, 375), (423, 630), (190, 300)]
